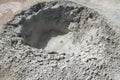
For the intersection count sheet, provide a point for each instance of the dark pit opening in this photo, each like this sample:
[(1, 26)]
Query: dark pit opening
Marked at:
[(39, 28)]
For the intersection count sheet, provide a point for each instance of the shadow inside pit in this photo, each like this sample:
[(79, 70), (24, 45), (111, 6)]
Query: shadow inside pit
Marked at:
[(40, 28)]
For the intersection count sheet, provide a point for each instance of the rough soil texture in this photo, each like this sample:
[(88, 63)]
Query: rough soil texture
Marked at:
[(60, 40), (8, 8)]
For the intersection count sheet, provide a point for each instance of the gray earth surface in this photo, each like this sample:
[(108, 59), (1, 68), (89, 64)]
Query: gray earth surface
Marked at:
[(59, 40)]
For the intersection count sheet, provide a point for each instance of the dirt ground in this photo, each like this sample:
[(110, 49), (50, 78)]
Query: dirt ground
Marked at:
[(8, 8), (109, 8), (7, 13), (108, 42), (6, 1)]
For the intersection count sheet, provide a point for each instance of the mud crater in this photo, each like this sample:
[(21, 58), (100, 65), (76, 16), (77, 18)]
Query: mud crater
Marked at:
[(53, 25), (55, 38), (47, 23)]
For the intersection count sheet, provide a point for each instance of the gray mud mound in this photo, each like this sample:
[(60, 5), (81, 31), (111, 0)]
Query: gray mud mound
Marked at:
[(59, 41)]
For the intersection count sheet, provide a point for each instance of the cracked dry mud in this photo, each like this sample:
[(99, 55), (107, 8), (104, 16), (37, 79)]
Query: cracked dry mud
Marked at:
[(59, 40)]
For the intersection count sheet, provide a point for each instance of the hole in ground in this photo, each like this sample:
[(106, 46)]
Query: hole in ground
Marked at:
[(56, 27), (49, 23)]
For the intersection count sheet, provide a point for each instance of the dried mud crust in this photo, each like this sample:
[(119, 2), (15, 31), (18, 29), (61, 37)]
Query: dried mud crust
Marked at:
[(24, 56)]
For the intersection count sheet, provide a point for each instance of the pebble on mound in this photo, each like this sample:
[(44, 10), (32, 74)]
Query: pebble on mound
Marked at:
[(59, 40)]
